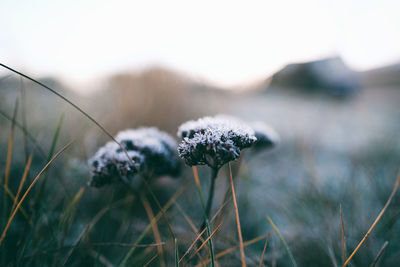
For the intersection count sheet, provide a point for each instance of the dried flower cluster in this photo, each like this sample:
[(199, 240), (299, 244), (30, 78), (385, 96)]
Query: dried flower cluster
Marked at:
[(152, 153), (266, 136), (214, 141)]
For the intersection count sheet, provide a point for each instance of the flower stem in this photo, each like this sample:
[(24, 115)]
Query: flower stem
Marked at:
[(214, 173)]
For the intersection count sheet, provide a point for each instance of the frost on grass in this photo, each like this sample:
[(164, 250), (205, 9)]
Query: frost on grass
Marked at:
[(214, 141), (266, 136), (152, 153)]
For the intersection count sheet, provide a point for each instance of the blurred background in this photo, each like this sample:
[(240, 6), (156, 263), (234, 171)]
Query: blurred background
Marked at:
[(325, 75)]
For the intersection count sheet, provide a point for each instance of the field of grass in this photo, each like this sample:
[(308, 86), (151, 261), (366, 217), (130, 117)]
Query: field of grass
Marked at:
[(308, 202)]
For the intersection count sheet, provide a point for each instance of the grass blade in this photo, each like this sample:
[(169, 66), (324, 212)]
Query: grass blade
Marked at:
[(264, 249), (343, 236), (278, 233), (176, 253), (71, 207), (378, 256), (230, 250), (156, 218), (396, 186), (237, 217), (154, 226), (30, 187), (21, 183)]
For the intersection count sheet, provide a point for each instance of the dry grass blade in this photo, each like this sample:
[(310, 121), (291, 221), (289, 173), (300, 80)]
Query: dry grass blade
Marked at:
[(343, 236), (380, 252), (396, 186), (29, 189), (21, 183), (23, 211), (100, 127), (151, 260), (86, 231), (207, 239), (154, 226), (156, 218), (264, 249), (237, 217), (24, 130), (193, 243), (230, 250)]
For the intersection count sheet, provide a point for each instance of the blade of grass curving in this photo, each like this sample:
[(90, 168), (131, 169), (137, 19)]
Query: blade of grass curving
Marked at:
[(285, 245), (264, 249), (153, 223), (396, 186), (197, 181), (30, 187), (42, 185), (24, 130), (378, 256), (343, 235), (230, 250), (237, 217), (156, 218), (102, 129), (176, 253)]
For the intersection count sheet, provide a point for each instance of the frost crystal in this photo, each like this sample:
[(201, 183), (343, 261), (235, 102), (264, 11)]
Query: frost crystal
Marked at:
[(214, 141), (266, 136), (152, 152)]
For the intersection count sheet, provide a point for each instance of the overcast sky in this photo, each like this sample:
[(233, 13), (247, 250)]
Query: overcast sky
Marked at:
[(225, 42)]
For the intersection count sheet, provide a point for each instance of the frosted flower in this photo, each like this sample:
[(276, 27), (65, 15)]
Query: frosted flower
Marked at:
[(214, 141), (266, 136), (152, 152)]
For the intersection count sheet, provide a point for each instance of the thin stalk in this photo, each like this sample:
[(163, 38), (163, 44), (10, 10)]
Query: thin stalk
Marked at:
[(214, 174), (197, 180)]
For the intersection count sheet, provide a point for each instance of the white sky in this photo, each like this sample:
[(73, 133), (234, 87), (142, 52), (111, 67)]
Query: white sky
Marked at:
[(225, 42)]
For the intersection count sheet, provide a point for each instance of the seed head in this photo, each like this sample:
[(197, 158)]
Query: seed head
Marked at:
[(152, 152), (214, 141), (267, 137)]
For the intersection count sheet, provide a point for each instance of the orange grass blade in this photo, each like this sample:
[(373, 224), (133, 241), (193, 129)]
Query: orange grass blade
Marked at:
[(207, 239), (229, 250), (237, 217), (21, 184), (396, 186), (154, 226), (11, 195), (29, 189), (265, 248)]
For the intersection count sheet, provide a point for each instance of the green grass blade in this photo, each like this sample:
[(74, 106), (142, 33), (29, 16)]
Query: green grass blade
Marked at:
[(278, 233), (176, 253), (71, 207)]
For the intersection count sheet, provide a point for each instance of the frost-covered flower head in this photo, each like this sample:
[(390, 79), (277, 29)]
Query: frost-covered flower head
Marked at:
[(152, 152), (266, 136), (214, 141)]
